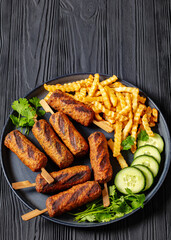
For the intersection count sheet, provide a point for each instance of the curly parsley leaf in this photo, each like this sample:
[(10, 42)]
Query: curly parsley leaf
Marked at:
[(143, 136), (128, 142)]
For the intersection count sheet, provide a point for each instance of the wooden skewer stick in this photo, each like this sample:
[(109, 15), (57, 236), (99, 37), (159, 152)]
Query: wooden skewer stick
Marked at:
[(46, 107), (47, 176), (23, 184), (33, 214), (103, 125), (105, 194)]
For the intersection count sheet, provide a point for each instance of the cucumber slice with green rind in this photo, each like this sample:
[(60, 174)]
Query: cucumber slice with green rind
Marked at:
[(148, 176), (147, 161), (130, 177), (155, 141), (148, 150)]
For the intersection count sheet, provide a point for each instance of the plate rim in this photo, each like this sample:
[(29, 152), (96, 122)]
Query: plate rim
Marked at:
[(90, 225)]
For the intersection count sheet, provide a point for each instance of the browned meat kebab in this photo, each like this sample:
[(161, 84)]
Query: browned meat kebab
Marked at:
[(73, 198), (31, 156), (99, 157), (78, 111), (63, 179), (69, 134), (47, 138)]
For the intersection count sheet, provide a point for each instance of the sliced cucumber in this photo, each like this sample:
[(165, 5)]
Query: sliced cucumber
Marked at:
[(148, 150), (155, 141), (130, 177), (147, 161), (148, 176)]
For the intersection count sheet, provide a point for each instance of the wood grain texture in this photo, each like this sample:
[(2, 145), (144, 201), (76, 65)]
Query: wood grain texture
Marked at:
[(44, 39)]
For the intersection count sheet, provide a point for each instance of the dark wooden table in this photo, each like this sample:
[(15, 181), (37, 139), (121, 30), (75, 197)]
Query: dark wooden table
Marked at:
[(44, 39)]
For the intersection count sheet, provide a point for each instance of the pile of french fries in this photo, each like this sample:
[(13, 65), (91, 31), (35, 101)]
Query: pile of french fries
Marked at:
[(117, 108)]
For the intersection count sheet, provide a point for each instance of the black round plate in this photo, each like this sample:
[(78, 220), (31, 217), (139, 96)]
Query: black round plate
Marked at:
[(15, 170)]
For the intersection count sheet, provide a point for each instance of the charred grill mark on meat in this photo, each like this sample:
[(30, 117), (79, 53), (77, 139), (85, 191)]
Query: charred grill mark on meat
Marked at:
[(93, 189), (100, 149), (57, 203), (69, 101), (30, 152), (18, 140), (96, 136), (38, 125), (82, 109), (75, 177), (47, 133), (103, 162), (58, 148), (72, 137), (61, 123), (76, 194)]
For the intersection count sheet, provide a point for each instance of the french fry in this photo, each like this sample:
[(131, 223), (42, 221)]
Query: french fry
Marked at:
[(98, 117), (122, 162), (109, 81), (141, 99), (146, 126), (112, 96), (155, 114), (117, 139), (48, 96), (104, 96), (104, 110), (94, 85), (121, 98), (127, 129)]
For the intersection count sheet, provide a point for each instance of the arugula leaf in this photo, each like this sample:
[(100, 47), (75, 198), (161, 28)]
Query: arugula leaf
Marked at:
[(143, 135), (128, 142)]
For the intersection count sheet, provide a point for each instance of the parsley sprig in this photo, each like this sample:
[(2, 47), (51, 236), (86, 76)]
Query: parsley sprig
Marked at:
[(128, 142), (27, 111), (119, 206), (143, 136)]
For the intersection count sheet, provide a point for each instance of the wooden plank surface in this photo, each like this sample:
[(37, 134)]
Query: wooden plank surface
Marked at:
[(44, 39)]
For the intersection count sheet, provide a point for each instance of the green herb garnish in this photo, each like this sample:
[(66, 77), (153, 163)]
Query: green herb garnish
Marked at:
[(127, 143), (27, 110), (143, 136), (119, 206)]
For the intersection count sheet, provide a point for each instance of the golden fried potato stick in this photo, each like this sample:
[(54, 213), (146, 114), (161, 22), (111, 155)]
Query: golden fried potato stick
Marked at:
[(99, 106), (48, 96), (155, 114), (104, 96), (146, 126), (119, 158), (109, 81), (117, 139), (52, 88), (112, 96), (98, 117), (127, 129), (137, 116), (121, 98), (94, 85), (141, 99)]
